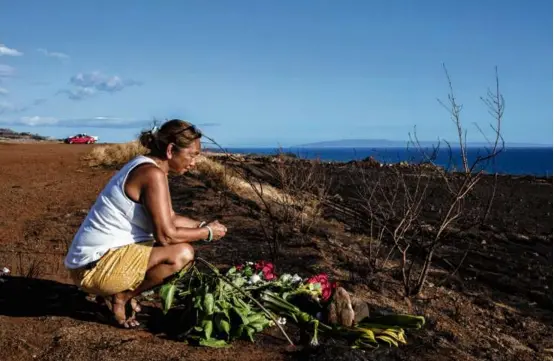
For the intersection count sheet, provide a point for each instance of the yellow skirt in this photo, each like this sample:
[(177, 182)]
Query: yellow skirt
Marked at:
[(120, 269)]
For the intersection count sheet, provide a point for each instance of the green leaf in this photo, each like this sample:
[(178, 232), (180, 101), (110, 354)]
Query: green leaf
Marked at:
[(183, 294), (222, 323), (225, 326), (258, 325), (241, 304), (239, 281), (209, 303), (167, 293), (198, 302), (256, 317), (241, 314), (207, 326), (250, 333), (212, 342), (224, 305)]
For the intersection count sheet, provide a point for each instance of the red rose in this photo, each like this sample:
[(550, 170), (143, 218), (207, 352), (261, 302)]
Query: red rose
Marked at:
[(261, 264), (267, 269), (239, 267), (320, 278), (269, 276), (326, 286), (326, 293)]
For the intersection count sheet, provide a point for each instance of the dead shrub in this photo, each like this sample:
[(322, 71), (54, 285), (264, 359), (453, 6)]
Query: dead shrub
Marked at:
[(390, 204), (113, 155)]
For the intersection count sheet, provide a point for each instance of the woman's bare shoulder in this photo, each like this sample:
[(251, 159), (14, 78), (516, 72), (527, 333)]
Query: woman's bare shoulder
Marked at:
[(147, 173)]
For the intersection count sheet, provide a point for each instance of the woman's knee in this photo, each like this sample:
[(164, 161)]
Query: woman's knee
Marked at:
[(184, 254)]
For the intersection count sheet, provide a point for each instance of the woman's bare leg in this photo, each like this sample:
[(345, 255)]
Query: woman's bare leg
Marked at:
[(163, 263)]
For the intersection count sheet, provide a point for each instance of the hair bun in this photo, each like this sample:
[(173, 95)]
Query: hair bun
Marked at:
[(147, 139)]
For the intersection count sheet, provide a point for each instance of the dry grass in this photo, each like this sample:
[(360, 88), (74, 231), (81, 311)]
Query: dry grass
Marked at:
[(114, 154), (235, 183)]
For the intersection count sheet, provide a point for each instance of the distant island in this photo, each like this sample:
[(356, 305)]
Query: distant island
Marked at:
[(386, 143)]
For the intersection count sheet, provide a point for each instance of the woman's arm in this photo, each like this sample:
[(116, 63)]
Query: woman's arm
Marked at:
[(155, 197), (182, 221)]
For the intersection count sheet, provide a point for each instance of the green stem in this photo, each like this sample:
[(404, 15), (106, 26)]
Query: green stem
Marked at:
[(315, 341), (214, 270)]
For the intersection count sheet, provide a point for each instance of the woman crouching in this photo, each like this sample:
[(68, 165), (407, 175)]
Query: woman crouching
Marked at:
[(131, 239)]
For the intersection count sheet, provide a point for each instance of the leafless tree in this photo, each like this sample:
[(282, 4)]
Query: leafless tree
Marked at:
[(473, 171), (389, 201)]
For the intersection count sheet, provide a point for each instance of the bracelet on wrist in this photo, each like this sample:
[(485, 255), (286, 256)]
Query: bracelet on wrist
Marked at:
[(210, 234), (201, 224)]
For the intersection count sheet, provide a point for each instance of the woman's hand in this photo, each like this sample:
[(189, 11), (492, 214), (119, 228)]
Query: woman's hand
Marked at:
[(218, 230)]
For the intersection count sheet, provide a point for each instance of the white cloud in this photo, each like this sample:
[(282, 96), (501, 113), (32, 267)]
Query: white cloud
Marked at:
[(53, 54), (92, 122), (36, 120), (6, 71), (4, 50), (88, 84), (3, 91)]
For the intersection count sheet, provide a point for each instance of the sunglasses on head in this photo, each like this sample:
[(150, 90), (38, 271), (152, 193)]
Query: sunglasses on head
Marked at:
[(197, 131)]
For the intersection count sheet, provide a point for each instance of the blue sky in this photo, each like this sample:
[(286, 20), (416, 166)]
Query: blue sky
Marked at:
[(254, 73)]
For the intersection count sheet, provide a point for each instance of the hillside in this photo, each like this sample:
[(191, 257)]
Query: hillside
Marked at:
[(13, 136)]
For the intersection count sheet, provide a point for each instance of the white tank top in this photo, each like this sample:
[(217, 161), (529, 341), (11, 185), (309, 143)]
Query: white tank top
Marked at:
[(113, 221)]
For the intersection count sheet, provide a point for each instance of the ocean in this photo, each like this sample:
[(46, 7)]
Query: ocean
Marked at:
[(515, 161)]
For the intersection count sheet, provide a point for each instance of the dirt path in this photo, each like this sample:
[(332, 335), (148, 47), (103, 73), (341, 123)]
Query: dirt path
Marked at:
[(39, 184), (45, 192)]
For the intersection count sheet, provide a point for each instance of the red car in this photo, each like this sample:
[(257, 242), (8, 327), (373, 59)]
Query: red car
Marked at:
[(81, 139)]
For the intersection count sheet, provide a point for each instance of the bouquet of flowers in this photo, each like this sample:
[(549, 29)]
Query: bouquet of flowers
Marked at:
[(218, 308)]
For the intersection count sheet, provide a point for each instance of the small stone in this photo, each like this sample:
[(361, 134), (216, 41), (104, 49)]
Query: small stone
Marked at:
[(483, 242), (361, 309), (340, 310)]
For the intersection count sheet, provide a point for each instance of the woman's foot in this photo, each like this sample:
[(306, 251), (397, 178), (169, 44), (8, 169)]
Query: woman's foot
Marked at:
[(118, 305), (135, 305)]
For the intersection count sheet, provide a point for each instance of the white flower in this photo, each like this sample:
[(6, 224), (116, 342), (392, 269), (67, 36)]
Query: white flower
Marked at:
[(254, 279), (296, 278), (286, 277), (282, 321), (5, 271), (249, 263)]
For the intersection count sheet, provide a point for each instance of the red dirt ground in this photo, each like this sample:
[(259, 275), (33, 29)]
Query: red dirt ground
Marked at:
[(46, 190)]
